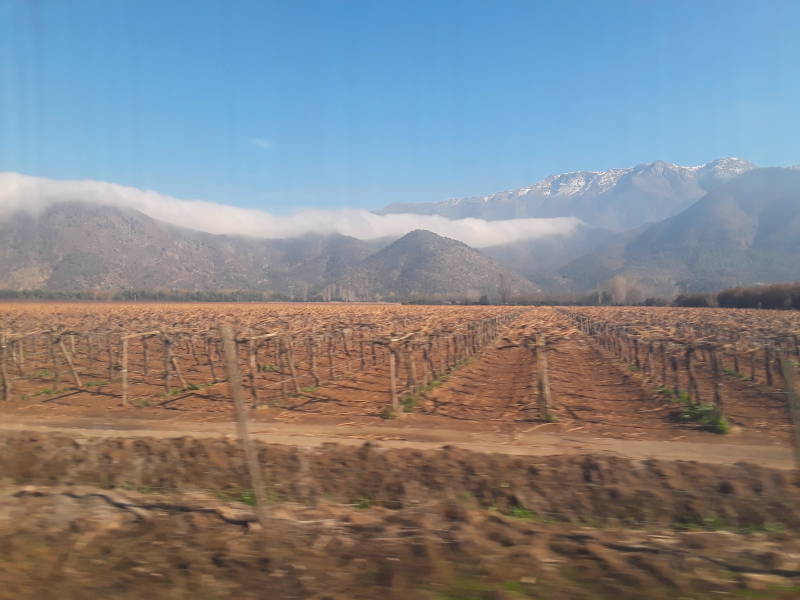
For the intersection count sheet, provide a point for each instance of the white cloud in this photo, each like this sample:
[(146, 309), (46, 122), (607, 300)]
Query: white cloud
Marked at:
[(34, 194), (261, 143)]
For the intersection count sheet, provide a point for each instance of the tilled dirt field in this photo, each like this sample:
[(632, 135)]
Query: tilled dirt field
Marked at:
[(170, 519), (593, 391), (594, 394), (96, 512)]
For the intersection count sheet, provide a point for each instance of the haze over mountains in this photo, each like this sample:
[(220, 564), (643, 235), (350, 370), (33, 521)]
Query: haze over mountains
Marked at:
[(617, 199), (656, 229), (743, 232), (424, 265), (79, 246)]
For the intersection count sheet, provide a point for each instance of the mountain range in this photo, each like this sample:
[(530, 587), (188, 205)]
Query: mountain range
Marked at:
[(653, 230), (746, 231), (617, 199), (81, 246), (423, 265)]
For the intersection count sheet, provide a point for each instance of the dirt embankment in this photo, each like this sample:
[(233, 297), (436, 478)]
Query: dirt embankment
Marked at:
[(169, 518), (89, 543), (580, 489)]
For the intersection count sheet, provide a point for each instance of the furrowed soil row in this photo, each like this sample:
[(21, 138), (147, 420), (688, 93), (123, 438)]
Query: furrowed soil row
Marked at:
[(591, 391), (599, 370), (703, 375)]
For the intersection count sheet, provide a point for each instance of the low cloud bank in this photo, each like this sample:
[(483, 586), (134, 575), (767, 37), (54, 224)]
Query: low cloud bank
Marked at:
[(35, 194)]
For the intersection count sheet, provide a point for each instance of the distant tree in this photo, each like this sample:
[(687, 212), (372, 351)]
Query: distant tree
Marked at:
[(655, 302), (695, 300), (504, 288), (777, 296), (618, 289), (634, 296)]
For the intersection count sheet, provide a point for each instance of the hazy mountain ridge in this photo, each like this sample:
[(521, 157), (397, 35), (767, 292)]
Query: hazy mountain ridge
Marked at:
[(616, 199), (538, 259), (743, 232), (425, 266), (77, 246)]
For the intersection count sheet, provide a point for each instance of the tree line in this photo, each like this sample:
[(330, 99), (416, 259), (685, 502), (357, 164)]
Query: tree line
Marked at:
[(781, 296), (140, 295)]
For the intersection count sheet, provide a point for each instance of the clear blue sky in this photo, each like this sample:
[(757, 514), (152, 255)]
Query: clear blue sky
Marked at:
[(282, 105)]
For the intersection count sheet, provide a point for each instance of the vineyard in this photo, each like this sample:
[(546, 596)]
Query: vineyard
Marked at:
[(647, 372), (146, 357), (405, 452)]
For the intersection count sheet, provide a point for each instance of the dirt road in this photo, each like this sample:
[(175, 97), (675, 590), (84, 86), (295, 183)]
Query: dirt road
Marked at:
[(532, 441)]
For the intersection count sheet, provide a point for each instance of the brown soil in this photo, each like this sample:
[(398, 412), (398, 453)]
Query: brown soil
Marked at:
[(521, 440), (158, 518), (568, 488), (79, 543), (591, 392), (576, 509), (595, 394), (496, 386)]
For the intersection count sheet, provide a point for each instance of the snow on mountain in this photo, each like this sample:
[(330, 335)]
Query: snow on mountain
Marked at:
[(581, 182), (615, 199)]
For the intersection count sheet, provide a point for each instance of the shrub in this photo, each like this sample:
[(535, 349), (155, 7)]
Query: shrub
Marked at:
[(706, 415)]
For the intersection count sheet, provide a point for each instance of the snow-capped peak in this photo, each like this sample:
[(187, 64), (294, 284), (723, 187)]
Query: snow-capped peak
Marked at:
[(574, 183)]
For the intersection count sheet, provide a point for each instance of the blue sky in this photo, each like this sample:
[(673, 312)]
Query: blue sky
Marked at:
[(285, 105)]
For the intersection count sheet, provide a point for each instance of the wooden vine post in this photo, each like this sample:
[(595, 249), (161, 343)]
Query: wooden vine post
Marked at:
[(768, 364), (545, 398), (715, 381), (394, 345), (69, 362), (252, 362), (22, 355), (125, 356), (193, 350), (396, 408), (54, 360), (411, 369), (124, 370), (176, 366), (676, 376), (240, 414), (145, 356), (311, 350), (790, 381), (167, 343), (331, 357), (288, 349), (362, 358), (210, 356), (252, 370), (346, 347), (691, 385), (426, 356), (110, 352), (4, 366)]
